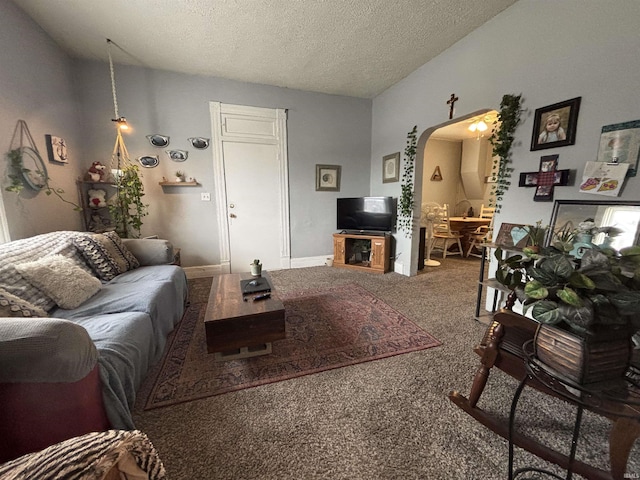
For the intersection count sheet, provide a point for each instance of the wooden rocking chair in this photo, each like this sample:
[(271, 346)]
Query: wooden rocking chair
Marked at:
[(501, 347)]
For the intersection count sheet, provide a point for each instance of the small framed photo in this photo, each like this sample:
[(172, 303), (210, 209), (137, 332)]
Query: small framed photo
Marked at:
[(56, 149), (555, 125), (328, 178), (528, 179), (391, 168)]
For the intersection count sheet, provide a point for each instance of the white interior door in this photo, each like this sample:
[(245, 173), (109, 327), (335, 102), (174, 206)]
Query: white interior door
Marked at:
[(253, 204), (251, 183)]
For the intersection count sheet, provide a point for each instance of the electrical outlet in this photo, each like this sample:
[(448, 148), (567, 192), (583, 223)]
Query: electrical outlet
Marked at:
[(205, 197)]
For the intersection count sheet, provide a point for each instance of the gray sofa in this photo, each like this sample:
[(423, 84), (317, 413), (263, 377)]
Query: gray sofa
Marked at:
[(117, 333)]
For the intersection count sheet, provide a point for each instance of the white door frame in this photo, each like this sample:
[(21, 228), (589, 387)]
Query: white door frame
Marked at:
[(221, 132)]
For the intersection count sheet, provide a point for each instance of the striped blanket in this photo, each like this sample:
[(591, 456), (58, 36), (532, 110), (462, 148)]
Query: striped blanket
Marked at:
[(115, 454)]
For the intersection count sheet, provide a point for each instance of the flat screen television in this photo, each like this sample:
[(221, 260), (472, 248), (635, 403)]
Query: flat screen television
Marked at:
[(367, 214)]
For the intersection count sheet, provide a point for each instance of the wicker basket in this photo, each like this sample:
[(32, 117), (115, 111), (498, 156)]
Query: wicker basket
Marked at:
[(584, 360)]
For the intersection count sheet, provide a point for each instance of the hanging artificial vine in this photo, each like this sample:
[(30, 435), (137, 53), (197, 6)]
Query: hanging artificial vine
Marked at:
[(16, 171), (405, 211), (501, 139)]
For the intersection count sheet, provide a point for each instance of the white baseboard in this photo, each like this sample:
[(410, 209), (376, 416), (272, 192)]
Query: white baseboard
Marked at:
[(310, 261), (211, 270), (203, 271)]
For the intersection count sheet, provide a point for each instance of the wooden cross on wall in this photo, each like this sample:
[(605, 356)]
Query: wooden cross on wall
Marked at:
[(545, 179), (451, 102)]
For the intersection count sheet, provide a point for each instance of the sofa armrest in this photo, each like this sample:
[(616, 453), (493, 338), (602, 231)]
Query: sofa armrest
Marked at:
[(50, 387), (44, 350), (150, 251)]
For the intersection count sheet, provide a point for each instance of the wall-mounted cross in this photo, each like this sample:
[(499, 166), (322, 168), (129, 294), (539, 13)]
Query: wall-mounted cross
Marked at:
[(545, 179), (451, 102)]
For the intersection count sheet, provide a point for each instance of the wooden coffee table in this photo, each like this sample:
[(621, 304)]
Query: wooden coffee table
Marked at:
[(239, 329)]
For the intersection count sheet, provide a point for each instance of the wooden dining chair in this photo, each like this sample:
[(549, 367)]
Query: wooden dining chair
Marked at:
[(442, 234), (487, 212), (482, 234)]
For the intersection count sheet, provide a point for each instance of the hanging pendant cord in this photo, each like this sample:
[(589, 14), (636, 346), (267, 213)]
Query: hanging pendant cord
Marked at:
[(113, 80)]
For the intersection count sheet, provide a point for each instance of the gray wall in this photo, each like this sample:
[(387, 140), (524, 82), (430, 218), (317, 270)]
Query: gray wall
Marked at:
[(36, 85), (322, 129), (550, 52), (72, 99)]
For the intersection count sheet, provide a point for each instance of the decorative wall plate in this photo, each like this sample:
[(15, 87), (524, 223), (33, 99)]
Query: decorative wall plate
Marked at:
[(158, 140), (149, 161), (199, 142), (177, 155)]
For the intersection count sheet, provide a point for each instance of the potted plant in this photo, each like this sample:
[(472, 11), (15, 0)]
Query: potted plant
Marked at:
[(179, 176), (128, 209), (588, 308), (256, 268), (536, 234)]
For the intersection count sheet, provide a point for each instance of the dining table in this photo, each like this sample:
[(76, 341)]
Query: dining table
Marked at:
[(465, 226)]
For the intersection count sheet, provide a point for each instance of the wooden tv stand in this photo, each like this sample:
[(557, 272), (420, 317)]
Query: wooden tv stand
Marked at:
[(346, 256)]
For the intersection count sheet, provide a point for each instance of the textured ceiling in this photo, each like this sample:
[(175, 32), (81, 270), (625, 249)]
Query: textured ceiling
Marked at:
[(347, 47)]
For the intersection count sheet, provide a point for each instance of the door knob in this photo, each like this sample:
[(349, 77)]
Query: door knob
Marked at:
[(233, 215)]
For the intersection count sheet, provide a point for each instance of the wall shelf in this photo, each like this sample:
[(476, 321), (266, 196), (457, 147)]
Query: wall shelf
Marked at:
[(179, 184)]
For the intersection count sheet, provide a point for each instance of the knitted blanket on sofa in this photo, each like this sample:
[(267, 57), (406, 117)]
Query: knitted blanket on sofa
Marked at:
[(95, 456)]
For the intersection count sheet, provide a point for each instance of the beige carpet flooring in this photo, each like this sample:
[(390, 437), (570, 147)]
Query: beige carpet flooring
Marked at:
[(385, 419)]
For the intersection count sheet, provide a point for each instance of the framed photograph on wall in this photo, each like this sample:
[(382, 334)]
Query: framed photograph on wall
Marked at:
[(391, 168), (328, 178), (56, 149), (555, 125), (620, 143)]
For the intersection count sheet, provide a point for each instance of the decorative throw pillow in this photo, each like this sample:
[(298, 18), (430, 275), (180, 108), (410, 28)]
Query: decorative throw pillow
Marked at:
[(12, 306), (106, 254), (58, 277)]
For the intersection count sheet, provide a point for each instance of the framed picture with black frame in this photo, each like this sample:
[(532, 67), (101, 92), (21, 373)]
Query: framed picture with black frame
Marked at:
[(555, 125)]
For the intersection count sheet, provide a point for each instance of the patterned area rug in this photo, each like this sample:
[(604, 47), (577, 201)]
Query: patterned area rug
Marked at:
[(326, 328)]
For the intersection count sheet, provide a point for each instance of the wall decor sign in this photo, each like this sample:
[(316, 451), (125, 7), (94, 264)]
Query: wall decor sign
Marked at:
[(391, 168), (328, 178), (437, 175), (513, 235), (620, 143), (555, 125), (545, 179), (56, 149)]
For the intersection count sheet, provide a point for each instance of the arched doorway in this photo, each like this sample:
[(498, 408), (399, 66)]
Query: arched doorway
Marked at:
[(455, 130)]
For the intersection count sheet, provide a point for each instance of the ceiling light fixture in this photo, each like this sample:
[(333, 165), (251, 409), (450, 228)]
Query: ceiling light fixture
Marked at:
[(479, 125), (121, 122), (120, 156)]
